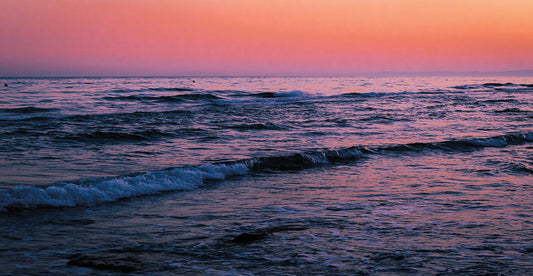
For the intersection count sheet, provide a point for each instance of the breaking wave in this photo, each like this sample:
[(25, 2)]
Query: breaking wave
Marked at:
[(91, 192), (69, 194)]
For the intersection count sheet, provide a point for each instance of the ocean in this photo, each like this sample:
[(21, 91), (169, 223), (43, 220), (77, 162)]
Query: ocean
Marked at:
[(266, 176)]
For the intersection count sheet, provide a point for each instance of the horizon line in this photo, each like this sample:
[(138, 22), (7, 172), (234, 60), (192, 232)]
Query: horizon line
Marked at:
[(506, 73)]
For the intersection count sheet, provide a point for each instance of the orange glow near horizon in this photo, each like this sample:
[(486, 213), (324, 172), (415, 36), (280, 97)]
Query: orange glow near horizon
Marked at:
[(276, 37)]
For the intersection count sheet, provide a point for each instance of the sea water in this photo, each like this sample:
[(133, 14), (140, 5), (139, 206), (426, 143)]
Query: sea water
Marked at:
[(266, 176)]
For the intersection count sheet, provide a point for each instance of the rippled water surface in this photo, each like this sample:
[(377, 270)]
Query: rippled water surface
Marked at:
[(277, 176)]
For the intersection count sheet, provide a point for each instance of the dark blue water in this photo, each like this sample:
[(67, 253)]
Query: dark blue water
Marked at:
[(278, 176)]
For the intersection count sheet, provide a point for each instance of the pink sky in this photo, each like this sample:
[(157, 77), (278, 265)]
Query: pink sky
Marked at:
[(262, 37)]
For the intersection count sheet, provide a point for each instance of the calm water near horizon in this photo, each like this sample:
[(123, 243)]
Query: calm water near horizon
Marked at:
[(266, 176)]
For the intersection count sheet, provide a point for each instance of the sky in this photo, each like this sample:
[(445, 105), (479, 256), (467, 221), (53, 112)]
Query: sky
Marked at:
[(262, 37)]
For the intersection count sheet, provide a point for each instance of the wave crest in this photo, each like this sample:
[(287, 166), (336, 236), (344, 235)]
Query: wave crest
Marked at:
[(91, 192), (174, 98), (28, 110), (288, 94), (68, 194)]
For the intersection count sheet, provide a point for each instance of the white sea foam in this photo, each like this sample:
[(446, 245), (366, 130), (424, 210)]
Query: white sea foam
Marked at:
[(504, 140), (65, 194), (76, 193)]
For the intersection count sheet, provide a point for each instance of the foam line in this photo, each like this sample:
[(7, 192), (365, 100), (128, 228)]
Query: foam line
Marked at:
[(84, 193)]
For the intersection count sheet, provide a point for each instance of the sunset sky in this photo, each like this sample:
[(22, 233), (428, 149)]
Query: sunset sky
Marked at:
[(262, 37)]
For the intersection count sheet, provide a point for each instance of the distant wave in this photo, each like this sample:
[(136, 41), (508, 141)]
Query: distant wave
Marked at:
[(509, 110), (207, 95), (28, 110), (384, 119), (466, 86), (364, 95), (256, 126), (117, 136), (379, 94), (174, 98), (289, 94), (496, 84), (84, 192), (127, 116), (172, 89), (508, 86), (161, 89), (499, 101), (521, 167)]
